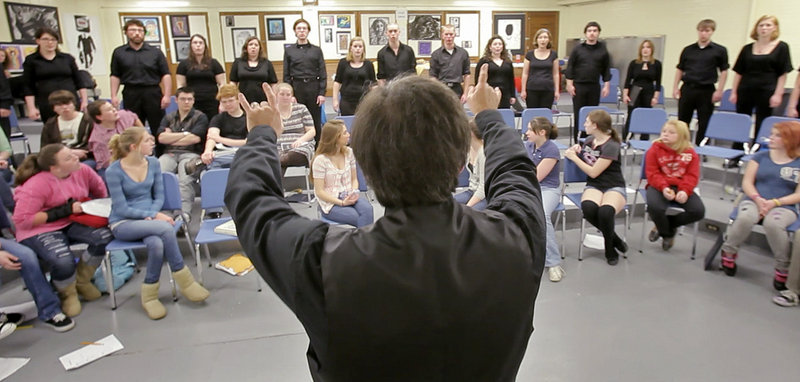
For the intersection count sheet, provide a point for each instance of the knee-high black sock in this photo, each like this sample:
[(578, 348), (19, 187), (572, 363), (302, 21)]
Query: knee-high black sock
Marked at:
[(605, 223), (589, 209)]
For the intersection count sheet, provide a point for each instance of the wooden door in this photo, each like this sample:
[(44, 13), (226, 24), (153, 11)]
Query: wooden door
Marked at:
[(537, 20)]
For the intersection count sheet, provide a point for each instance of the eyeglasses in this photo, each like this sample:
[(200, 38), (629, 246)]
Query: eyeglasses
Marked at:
[(140, 30), (48, 39), (186, 99)]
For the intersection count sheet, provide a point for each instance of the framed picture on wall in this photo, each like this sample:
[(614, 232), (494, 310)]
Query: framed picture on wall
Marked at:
[(343, 21), (511, 28), (328, 35), (15, 55), (152, 27), (377, 30), (275, 29), (182, 49), (326, 20), (239, 36), (25, 19), (180, 25), (424, 27), (343, 42), (456, 22)]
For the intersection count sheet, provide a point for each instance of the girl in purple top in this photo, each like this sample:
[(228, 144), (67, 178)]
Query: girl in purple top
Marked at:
[(546, 157)]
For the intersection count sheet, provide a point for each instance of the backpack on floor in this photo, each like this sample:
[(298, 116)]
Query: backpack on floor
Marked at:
[(123, 264)]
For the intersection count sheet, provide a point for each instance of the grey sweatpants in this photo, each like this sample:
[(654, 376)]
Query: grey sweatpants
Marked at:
[(774, 223)]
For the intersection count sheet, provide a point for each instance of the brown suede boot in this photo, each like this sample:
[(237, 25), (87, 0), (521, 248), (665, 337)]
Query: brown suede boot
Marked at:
[(189, 288), (70, 304), (83, 282), (154, 308)]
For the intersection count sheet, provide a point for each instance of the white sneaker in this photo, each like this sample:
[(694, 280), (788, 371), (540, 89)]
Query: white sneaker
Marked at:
[(556, 273)]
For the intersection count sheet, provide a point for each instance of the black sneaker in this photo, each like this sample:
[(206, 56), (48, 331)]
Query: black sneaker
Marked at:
[(620, 244), (612, 260), (194, 167), (6, 326), (653, 236), (60, 323)]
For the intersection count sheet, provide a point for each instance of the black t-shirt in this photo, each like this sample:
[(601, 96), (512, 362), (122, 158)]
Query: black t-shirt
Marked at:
[(612, 176), (230, 126), (143, 67), (202, 81), (355, 81), (250, 78), (540, 72), (700, 65), (761, 71)]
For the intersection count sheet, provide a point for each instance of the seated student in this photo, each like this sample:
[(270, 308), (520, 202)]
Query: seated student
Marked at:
[(182, 132), (335, 180), (107, 122), (771, 189), (296, 144), (474, 196), (6, 176), (17, 257), (137, 195), (673, 170), (434, 290), (50, 188), (228, 128), (69, 126), (604, 195), (545, 155), (791, 295)]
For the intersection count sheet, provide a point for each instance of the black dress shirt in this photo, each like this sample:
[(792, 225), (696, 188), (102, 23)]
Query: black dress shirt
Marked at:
[(195, 122), (588, 63), (700, 65), (305, 63), (143, 67), (391, 65), (428, 293), (637, 75), (450, 68)]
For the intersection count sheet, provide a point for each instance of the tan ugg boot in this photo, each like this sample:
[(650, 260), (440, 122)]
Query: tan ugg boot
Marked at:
[(83, 282), (154, 308), (70, 304), (189, 288)]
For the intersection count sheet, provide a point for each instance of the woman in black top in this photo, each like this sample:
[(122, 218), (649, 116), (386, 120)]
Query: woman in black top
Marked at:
[(46, 71), (6, 98), (540, 73), (761, 72), (203, 74), (252, 69), (354, 75), (501, 72), (642, 83)]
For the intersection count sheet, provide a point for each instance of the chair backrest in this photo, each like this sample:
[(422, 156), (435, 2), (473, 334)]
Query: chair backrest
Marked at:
[(13, 118), (766, 128), (362, 181), (572, 173), (584, 112), (463, 177), (212, 188), (173, 106), (614, 77), (647, 121), (529, 114), (172, 192), (660, 96), (508, 117), (348, 121), (725, 104), (729, 126), (613, 94)]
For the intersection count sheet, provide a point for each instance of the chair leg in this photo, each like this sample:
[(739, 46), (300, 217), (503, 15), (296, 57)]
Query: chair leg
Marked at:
[(172, 285), (694, 239), (625, 230), (724, 178), (644, 227), (106, 264), (580, 243), (563, 234), (258, 280), (208, 254)]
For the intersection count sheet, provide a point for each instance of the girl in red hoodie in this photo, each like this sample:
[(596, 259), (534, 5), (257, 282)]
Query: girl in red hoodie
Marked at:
[(673, 168)]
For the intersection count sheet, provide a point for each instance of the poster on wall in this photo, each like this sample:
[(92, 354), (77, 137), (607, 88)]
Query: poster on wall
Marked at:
[(424, 27), (275, 29), (456, 22), (152, 27), (511, 28), (25, 19), (182, 49), (377, 30), (343, 39), (343, 21), (239, 36), (82, 32), (180, 25), (15, 54)]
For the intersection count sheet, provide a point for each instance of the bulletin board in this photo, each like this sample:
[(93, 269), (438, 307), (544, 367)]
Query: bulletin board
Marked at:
[(335, 29)]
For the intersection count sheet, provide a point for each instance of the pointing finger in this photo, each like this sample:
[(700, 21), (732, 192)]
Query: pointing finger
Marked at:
[(244, 104), (269, 92), (484, 74)]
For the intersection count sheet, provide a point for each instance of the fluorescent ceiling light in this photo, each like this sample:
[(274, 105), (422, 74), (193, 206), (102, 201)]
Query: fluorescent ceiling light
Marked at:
[(162, 4)]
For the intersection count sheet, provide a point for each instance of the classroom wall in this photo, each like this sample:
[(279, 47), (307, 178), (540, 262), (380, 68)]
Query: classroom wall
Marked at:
[(675, 19)]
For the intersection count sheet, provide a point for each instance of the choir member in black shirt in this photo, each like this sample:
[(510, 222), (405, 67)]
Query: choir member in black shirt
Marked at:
[(354, 76), (143, 70), (501, 71), (6, 97), (761, 72), (202, 74), (450, 64), (304, 69), (540, 73), (395, 58), (47, 70), (252, 69), (642, 83), (588, 63), (697, 68)]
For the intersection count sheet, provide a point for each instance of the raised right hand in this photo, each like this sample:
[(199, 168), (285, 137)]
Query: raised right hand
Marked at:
[(263, 114), (482, 97)]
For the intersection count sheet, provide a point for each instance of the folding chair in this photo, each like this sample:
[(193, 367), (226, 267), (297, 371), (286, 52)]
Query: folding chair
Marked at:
[(764, 132), (529, 114), (17, 135), (614, 91), (172, 202), (725, 104), (573, 174), (644, 121), (348, 121), (212, 195), (173, 106), (730, 127), (509, 117)]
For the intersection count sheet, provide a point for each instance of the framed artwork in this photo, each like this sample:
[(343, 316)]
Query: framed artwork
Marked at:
[(152, 27), (466, 44), (343, 42), (239, 36), (16, 54), (328, 35), (180, 25), (456, 22), (25, 19), (377, 30), (326, 20), (230, 21), (182, 49), (424, 27), (511, 28), (343, 22), (424, 48), (275, 29)]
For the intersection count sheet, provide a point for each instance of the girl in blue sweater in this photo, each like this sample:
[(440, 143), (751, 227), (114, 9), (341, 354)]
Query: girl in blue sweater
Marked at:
[(137, 195)]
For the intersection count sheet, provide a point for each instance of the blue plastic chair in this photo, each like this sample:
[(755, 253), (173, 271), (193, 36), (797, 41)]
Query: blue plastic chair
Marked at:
[(529, 114), (645, 121), (172, 202), (725, 104), (726, 126), (173, 106), (509, 117), (614, 92), (348, 121), (764, 132), (16, 133)]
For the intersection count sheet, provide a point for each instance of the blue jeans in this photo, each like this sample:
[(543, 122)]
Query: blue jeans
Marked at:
[(45, 298), (464, 197), (53, 249), (550, 199), (159, 237), (222, 160), (358, 215)]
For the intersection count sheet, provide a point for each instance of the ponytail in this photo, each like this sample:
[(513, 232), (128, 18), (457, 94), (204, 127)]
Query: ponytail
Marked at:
[(541, 123), (602, 120), (36, 163), (120, 144)]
